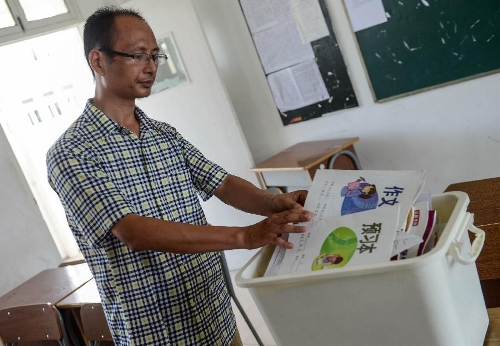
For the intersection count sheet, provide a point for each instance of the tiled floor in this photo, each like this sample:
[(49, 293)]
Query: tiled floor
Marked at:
[(254, 316)]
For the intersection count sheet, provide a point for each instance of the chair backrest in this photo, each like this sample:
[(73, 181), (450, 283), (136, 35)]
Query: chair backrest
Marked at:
[(31, 323), (95, 326)]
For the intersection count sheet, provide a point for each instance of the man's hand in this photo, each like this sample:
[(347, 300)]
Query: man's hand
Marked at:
[(269, 230), (287, 201), (281, 212)]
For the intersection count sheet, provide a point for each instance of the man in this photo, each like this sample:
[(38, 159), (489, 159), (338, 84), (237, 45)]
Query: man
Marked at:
[(130, 186)]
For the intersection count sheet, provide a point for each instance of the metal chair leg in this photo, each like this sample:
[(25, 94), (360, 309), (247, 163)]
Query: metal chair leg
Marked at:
[(227, 277)]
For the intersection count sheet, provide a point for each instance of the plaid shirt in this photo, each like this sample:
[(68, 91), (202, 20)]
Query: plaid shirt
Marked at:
[(102, 172)]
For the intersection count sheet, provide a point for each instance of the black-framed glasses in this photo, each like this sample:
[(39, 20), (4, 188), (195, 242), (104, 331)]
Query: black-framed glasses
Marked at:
[(144, 58)]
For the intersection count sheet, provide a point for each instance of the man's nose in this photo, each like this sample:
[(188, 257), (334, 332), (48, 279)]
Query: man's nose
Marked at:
[(151, 63)]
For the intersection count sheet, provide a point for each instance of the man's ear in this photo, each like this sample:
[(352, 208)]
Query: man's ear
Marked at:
[(96, 60)]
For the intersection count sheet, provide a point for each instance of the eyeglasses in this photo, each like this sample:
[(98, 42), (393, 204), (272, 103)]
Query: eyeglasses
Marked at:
[(144, 58)]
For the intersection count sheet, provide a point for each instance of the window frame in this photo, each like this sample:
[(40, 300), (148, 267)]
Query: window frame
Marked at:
[(25, 29)]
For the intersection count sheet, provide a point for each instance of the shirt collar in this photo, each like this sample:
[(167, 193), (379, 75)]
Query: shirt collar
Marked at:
[(104, 124)]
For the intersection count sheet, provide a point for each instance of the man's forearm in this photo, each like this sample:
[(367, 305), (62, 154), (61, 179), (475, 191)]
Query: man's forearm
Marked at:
[(144, 233), (244, 196), (140, 233)]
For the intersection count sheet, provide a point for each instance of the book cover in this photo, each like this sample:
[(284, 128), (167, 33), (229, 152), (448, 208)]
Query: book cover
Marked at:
[(355, 211), (418, 227)]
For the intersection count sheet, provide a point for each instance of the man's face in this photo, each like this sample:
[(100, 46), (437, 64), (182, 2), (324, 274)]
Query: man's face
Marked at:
[(126, 78)]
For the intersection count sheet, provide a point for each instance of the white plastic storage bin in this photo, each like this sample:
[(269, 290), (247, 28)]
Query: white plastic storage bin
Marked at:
[(434, 299)]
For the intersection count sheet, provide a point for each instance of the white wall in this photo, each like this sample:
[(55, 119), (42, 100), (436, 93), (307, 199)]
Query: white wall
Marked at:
[(452, 132), (26, 246)]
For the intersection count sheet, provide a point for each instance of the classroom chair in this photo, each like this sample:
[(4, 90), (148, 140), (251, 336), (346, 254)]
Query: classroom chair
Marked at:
[(37, 322), (94, 324)]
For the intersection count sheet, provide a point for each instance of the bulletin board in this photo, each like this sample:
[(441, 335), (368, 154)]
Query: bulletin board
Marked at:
[(429, 43), (334, 74)]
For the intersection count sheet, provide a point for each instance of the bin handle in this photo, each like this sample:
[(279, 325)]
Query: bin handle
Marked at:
[(477, 244)]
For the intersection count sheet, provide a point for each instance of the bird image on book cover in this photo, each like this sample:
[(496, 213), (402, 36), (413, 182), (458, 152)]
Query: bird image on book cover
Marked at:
[(356, 220)]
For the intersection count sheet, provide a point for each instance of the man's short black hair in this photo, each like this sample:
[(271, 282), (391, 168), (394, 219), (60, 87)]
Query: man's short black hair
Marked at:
[(100, 30)]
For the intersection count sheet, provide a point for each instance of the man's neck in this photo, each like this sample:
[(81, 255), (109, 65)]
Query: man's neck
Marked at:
[(123, 112)]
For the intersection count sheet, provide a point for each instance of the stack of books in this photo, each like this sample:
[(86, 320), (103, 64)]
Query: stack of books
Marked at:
[(362, 217)]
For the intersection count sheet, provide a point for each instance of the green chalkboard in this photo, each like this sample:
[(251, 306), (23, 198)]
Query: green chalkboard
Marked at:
[(429, 43)]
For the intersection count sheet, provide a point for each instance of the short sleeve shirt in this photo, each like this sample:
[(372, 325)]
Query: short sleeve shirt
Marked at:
[(102, 172)]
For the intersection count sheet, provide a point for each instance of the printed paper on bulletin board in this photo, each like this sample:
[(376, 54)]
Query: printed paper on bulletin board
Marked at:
[(337, 92)]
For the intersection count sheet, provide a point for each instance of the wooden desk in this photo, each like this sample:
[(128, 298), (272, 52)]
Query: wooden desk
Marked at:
[(86, 294), (48, 286), (71, 307), (493, 334), (295, 167), (484, 203)]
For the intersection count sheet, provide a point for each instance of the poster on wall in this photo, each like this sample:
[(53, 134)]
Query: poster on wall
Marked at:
[(300, 56)]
